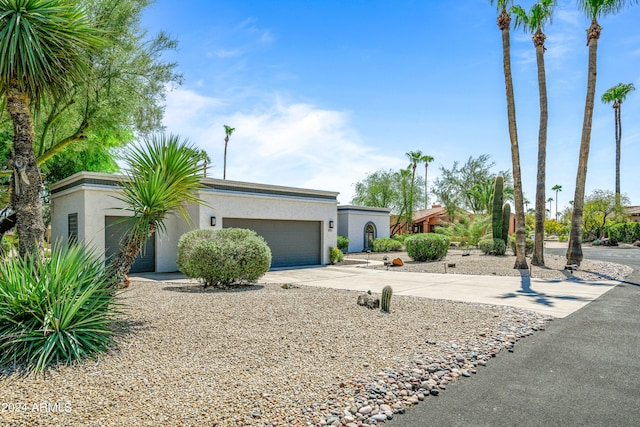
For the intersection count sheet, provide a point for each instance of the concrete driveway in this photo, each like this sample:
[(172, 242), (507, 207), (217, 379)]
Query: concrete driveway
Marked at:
[(557, 298)]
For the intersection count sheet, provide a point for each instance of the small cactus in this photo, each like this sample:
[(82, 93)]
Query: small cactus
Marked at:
[(385, 301)]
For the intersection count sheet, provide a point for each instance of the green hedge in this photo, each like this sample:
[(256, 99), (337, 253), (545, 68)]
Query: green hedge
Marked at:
[(427, 246), (627, 232), (223, 257), (386, 244)]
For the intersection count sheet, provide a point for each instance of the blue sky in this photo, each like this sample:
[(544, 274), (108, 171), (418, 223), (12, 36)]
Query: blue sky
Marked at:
[(323, 92)]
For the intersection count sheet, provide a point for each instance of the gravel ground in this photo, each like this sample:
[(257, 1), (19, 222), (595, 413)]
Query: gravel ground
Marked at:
[(478, 263), (267, 356)]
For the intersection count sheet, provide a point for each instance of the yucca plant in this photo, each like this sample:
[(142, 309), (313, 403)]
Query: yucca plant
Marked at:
[(162, 177), (55, 311)]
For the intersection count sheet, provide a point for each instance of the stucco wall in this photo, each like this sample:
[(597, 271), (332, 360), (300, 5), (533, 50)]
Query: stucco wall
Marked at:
[(84, 194), (353, 219)]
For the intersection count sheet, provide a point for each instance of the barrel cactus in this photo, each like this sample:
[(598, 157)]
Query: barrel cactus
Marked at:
[(385, 300)]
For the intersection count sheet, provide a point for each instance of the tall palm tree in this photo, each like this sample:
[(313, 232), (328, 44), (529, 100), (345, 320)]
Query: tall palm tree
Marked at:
[(594, 9), (44, 47), (426, 159), (533, 22), (415, 157), (504, 23), (556, 188), (549, 200), (617, 94), (228, 130), (161, 178)]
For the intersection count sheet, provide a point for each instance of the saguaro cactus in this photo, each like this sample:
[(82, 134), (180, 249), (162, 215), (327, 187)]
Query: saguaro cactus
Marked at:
[(506, 219), (385, 300), (496, 213)]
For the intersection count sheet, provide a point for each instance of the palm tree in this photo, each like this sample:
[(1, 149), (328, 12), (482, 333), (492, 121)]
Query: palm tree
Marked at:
[(549, 200), (426, 159), (415, 157), (617, 94), (594, 9), (533, 22), (556, 188), (162, 176), (504, 23), (228, 130), (44, 47)]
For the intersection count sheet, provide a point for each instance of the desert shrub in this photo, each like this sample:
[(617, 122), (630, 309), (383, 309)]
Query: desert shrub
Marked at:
[(57, 310), (563, 238), (627, 232), (343, 243), (385, 244), (401, 237), (596, 242), (486, 245), (335, 255), (528, 245), (427, 247), (499, 246), (223, 257)]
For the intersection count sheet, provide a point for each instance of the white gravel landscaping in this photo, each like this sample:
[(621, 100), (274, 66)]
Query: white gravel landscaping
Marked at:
[(265, 356)]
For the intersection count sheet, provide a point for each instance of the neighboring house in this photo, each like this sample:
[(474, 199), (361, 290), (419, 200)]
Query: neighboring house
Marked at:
[(299, 225), (633, 213), (426, 221), (362, 224)]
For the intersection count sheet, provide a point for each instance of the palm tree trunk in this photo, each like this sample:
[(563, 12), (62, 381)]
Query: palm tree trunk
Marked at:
[(224, 169), (129, 249), (574, 250), (426, 197), (538, 251), (618, 144), (521, 262), (26, 180)]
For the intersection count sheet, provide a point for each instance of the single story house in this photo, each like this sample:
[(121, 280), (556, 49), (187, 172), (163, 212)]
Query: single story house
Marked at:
[(362, 224), (426, 221), (633, 213), (299, 225)]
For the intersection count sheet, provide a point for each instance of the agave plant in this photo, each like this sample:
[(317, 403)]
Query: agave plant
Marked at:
[(55, 311)]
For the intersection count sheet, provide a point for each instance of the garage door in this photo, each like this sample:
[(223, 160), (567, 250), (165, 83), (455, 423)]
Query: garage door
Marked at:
[(114, 229), (292, 243)]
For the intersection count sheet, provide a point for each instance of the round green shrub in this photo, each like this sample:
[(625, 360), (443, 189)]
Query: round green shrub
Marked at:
[(223, 257), (335, 255), (427, 247), (386, 244), (343, 243), (529, 245), (486, 245)]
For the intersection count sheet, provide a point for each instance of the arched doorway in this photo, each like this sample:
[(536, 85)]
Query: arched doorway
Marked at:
[(369, 235)]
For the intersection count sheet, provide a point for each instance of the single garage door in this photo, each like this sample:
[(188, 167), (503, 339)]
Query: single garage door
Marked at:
[(114, 229), (292, 243)]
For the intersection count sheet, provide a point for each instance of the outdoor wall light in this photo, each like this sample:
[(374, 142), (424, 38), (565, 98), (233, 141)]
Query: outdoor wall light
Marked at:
[(331, 224), (213, 221)]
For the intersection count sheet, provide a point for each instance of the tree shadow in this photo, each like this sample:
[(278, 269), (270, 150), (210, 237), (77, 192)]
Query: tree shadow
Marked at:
[(200, 289), (538, 297)]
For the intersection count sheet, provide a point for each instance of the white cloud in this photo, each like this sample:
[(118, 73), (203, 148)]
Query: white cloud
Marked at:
[(282, 143)]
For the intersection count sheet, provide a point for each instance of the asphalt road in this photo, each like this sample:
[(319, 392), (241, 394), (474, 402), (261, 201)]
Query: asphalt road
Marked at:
[(582, 370)]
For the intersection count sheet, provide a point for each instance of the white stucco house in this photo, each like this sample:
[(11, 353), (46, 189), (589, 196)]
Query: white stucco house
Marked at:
[(362, 224), (299, 225)]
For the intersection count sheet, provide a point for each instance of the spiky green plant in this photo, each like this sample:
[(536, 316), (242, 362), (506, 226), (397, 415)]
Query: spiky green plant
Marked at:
[(385, 300), (54, 311)]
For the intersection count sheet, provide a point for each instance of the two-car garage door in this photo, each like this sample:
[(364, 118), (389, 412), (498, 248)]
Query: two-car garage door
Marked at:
[(292, 243)]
